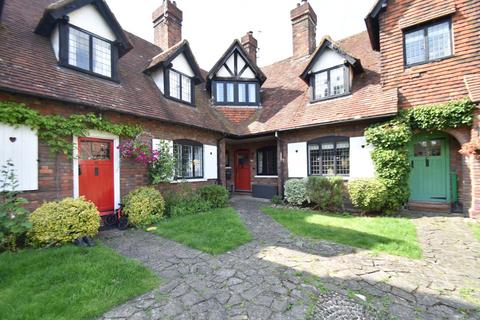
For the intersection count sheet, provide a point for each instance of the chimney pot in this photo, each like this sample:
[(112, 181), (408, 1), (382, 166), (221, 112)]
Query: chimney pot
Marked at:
[(304, 25), (167, 24)]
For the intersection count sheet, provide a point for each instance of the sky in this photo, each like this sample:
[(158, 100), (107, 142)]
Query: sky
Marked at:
[(211, 25)]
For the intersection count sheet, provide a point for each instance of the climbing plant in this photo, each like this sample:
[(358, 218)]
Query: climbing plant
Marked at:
[(56, 130), (391, 139)]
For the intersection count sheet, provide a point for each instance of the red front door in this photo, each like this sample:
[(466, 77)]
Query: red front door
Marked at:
[(242, 171), (95, 172)]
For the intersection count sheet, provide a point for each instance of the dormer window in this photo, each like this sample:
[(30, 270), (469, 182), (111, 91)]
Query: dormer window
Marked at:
[(89, 52), (330, 83), (180, 86), (235, 93)]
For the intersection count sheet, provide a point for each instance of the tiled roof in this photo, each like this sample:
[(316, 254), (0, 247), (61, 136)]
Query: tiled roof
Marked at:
[(28, 65), (285, 97), (472, 81)]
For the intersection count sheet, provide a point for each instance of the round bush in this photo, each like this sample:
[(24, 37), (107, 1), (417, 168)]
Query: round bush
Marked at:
[(215, 194), (144, 206), (296, 192), (368, 195), (326, 193), (63, 221)]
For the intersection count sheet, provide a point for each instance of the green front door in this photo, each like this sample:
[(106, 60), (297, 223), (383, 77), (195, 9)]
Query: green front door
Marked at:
[(429, 161)]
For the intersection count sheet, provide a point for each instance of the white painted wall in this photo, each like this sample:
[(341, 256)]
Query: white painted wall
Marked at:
[(55, 40), (297, 160), (88, 18), (327, 59), (247, 74), (116, 163), (361, 163), (223, 72), (23, 153), (159, 79), (210, 168), (181, 64)]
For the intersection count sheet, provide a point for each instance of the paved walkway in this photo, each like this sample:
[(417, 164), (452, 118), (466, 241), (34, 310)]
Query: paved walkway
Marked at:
[(279, 276)]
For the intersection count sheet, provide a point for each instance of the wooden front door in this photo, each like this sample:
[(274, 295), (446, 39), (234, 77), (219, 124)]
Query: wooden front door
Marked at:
[(95, 172), (429, 176), (242, 171)]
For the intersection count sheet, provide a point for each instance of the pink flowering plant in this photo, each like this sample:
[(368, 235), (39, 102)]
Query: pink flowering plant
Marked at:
[(159, 160)]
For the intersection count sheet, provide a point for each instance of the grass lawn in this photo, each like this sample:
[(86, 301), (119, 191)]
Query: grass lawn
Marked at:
[(475, 229), (395, 236), (68, 282), (214, 232)]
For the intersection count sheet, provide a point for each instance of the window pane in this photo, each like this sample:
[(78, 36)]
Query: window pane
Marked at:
[(343, 158), (439, 41), (260, 162), (242, 92), (328, 159), (102, 57), (321, 85), (186, 89), (198, 161), (230, 92), (252, 93), (174, 84), (337, 81), (79, 49), (415, 47), (187, 162), (314, 159), (220, 92)]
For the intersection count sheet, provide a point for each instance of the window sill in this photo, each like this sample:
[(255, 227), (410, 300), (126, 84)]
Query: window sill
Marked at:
[(189, 180), (88, 72), (233, 106), (408, 66), (266, 177), (312, 102), (186, 103)]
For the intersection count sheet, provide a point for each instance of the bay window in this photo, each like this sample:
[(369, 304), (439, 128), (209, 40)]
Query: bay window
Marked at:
[(189, 156), (330, 83), (427, 43), (329, 157)]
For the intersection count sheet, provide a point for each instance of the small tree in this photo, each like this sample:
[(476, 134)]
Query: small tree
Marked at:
[(13, 216)]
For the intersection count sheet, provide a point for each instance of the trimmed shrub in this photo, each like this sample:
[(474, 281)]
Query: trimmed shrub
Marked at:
[(63, 221), (191, 205), (215, 194), (296, 192), (277, 200), (368, 195), (144, 206), (325, 193)]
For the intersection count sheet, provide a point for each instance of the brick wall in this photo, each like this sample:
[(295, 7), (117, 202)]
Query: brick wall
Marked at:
[(237, 114), (56, 171), (437, 81)]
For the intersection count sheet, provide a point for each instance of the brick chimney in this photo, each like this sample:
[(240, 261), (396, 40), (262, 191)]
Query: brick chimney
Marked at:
[(167, 24), (250, 45), (304, 25)]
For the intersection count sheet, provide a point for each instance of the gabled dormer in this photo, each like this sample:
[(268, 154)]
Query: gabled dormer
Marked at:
[(330, 71), (85, 36), (176, 73), (235, 80)]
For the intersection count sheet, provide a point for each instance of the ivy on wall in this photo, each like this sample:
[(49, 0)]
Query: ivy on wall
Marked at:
[(56, 131), (391, 140)]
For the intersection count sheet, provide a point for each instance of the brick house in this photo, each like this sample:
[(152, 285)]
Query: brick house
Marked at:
[(246, 127)]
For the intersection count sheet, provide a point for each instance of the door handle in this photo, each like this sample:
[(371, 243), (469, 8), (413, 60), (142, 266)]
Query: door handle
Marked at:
[(96, 172), (427, 163)]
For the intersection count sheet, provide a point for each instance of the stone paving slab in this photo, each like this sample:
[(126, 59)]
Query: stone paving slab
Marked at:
[(280, 276)]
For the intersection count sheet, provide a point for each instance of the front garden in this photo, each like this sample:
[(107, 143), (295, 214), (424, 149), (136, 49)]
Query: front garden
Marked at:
[(68, 282)]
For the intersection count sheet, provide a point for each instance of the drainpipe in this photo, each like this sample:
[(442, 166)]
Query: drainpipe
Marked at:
[(280, 163)]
